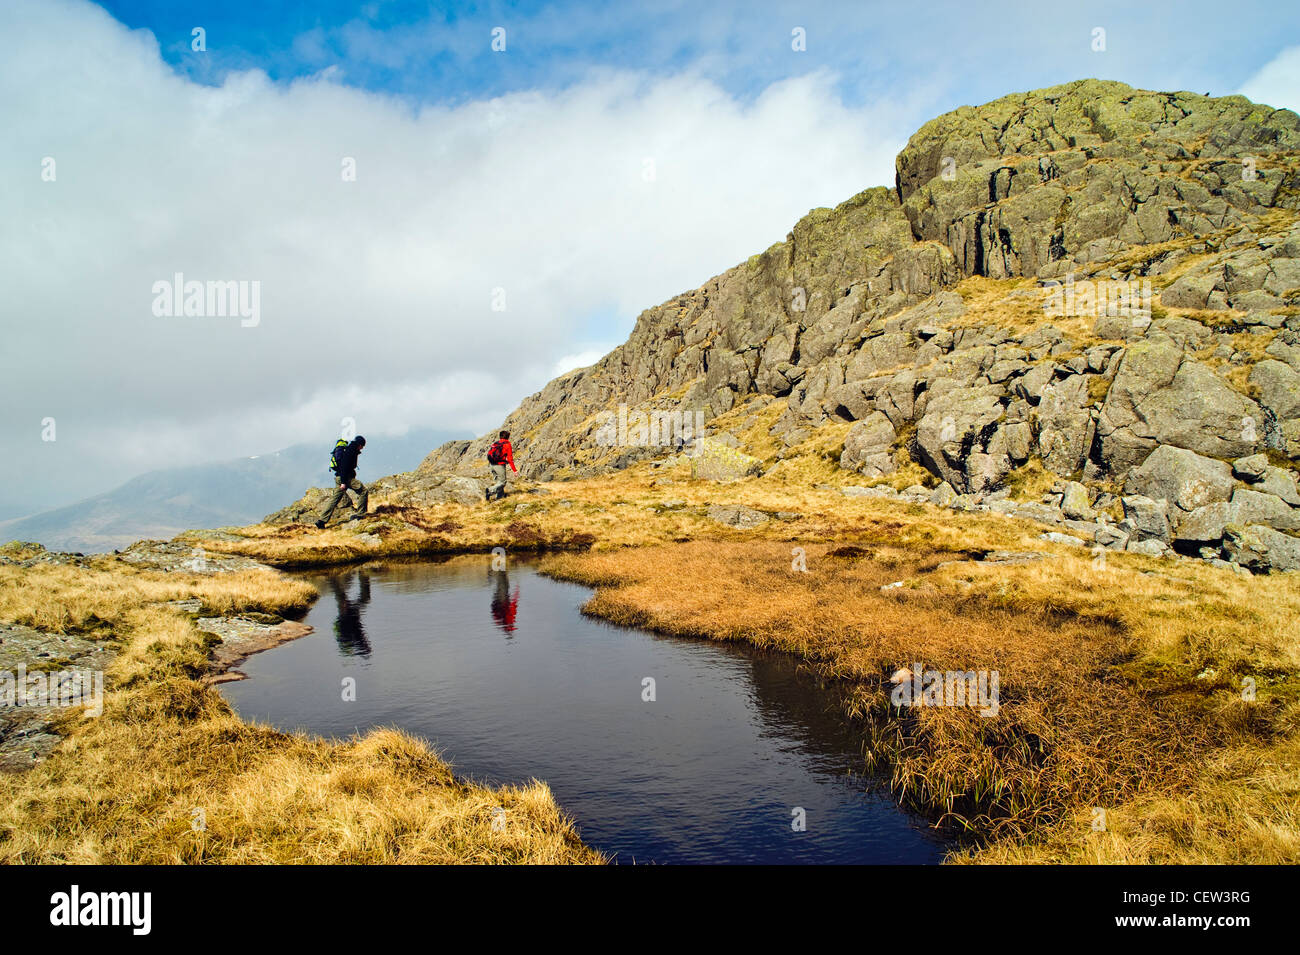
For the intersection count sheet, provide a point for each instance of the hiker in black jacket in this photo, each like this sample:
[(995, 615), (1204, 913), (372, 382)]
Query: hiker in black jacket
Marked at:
[(345, 468)]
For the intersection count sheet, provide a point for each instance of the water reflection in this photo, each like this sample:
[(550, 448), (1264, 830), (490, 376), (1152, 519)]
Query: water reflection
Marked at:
[(505, 605), (712, 770), (348, 631)]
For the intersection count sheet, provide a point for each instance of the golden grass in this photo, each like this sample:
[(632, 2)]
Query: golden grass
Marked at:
[(1120, 683), (133, 785), (628, 509)]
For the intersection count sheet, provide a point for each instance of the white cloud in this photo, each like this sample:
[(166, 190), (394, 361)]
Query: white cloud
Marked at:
[(580, 359), (376, 295), (1278, 82)]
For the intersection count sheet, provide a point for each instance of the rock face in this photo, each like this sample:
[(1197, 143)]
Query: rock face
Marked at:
[(1092, 279)]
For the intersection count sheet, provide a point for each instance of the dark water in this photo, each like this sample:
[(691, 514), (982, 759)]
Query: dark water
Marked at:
[(509, 681)]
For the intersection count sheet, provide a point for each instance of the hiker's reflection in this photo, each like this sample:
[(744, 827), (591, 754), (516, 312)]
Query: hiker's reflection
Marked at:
[(349, 633), (504, 604)]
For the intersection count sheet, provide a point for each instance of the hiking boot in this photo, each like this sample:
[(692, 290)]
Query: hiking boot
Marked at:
[(487, 494), (320, 525)]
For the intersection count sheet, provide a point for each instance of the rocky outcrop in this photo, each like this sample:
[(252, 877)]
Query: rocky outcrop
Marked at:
[(1096, 280)]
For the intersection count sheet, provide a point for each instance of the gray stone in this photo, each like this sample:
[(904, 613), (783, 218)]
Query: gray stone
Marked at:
[(1149, 518), (1076, 503), (954, 424), (739, 516), (1150, 546), (1065, 426), (1253, 507), (1251, 468), (943, 495), (866, 447), (1280, 483), (1043, 513), (883, 490), (717, 462), (1110, 536), (1159, 396), (1279, 388), (1204, 524), (1261, 549), (1183, 478), (1057, 537)]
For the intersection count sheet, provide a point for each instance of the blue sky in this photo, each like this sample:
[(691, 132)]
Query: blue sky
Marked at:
[(524, 171), (952, 52)]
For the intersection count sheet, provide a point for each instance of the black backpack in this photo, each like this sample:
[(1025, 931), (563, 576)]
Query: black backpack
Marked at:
[(495, 454), (334, 460)]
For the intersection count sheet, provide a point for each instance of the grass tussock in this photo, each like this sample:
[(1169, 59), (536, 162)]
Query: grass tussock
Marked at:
[(168, 773)]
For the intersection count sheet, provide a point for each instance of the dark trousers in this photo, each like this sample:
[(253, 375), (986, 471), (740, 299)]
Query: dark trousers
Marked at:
[(340, 492)]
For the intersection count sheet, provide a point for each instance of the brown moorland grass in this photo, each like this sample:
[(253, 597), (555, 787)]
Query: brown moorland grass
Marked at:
[(1120, 685), (132, 785)]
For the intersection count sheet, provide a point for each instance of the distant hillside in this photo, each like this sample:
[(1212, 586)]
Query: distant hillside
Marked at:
[(163, 503)]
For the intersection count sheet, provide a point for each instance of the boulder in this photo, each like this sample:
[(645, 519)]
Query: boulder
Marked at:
[(740, 516), (1204, 525), (882, 491), (1076, 503), (1261, 549), (1150, 518), (422, 487), (1280, 483), (1251, 468), (714, 461), (866, 447), (1107, 535), (1279, 388), (1057, 537), (307, 508), (956, 423), (1160, 396), (1150, 547), (1254, 507), (943, 495), (461, 490), (1183, 478), (1031, 384)]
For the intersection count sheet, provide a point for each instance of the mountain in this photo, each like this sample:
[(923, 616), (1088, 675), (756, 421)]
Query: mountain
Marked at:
[(161, 504), (1090, 281)]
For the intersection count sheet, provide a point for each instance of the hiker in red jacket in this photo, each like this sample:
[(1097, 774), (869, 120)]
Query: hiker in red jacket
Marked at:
[(499, 455)]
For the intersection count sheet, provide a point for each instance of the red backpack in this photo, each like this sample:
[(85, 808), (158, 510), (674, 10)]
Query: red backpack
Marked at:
[(496, 454)]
